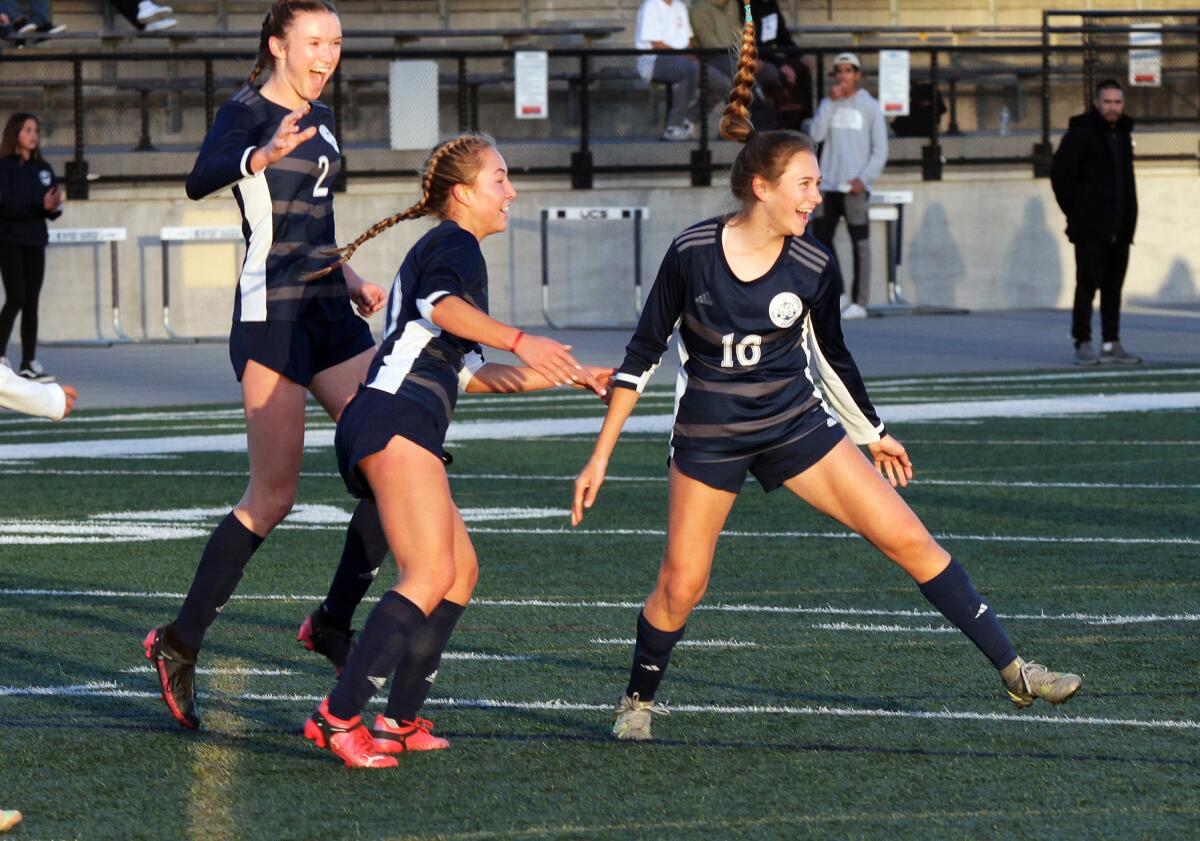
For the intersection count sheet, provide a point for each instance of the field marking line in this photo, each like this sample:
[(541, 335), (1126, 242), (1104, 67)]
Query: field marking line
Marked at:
[(33, 471), (552, 427), (573, 604), (215, 762), (683, 643), (103, 690)]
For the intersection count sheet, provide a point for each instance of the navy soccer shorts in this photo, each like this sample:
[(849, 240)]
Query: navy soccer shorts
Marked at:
[(298, 349), (372, 420)]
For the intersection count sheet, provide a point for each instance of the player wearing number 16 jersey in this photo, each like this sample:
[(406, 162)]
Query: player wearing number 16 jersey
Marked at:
[(754, 299), (274, 145)]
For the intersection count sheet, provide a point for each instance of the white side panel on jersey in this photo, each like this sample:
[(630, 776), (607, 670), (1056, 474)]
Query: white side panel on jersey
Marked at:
[(256, 201), (405, 351), (858, 427), (472, 362), (681, 381), (425, 305)]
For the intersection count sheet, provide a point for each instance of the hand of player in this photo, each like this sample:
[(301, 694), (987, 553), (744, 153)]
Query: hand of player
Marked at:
[(367, 297), (72, 396), (553, 361), (602, 376), (287, 137), (891, 460), (53, 199), (587, 485)]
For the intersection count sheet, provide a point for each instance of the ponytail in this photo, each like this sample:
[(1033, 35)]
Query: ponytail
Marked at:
[(735, 122), (453, 162)]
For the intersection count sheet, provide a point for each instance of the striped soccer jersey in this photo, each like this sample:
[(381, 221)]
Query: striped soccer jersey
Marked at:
[(418, 359), (287, 208), (746, 348)]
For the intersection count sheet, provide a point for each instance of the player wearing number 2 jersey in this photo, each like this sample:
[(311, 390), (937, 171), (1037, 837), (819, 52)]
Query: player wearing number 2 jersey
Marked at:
[(755, 301), (274, 145)]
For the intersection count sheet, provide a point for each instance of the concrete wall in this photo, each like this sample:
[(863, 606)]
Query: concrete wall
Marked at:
[(990, 242)]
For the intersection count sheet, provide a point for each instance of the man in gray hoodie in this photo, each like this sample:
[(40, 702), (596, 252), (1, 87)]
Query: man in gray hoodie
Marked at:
[(849, 125)]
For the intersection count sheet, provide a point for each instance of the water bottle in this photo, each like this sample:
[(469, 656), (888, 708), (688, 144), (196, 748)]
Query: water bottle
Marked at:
[(1005, 116)]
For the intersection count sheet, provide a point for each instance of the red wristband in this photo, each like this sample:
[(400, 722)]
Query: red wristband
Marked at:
[(513, 347)]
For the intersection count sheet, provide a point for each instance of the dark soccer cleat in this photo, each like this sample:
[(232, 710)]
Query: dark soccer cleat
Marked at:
[(176, 677), (323, 638), (1026, 682), (400, 736), (348, 740)]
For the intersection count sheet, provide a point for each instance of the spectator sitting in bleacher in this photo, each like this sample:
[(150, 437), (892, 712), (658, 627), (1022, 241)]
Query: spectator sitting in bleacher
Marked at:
[(664, 25), (145, 15), (717, 24), (791, 91), (35, 21)]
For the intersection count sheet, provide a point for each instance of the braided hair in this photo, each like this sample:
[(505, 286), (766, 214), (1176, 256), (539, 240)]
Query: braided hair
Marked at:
[(766, 154), (454, 162), (276, 24)]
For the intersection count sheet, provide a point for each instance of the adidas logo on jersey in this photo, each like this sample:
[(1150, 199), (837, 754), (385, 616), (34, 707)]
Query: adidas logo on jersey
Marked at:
[(705, 300)]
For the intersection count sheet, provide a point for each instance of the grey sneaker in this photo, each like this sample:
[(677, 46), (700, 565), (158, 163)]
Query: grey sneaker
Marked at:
[(633, 717), (1026, 682), (1112, 352), (1085, 354)]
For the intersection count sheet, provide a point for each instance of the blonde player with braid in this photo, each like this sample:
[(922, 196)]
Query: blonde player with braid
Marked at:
[(273, 143), (390, 439), (755, 298)]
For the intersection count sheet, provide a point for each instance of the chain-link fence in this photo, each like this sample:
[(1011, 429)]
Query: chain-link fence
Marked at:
[(141, 116)]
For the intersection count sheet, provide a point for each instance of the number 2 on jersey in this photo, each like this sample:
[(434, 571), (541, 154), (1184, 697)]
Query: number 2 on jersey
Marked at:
[(320, 191), (748, 350)]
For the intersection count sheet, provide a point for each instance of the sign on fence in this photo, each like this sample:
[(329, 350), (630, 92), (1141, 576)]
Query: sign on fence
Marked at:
[(893, 82), (1145, 59), (531, 100)]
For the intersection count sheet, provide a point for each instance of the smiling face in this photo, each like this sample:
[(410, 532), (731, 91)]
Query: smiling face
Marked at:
[(306, 56), (482, 206), (28, 138), (789, 202)]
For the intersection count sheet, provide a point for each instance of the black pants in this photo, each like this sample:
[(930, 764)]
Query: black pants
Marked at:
[(1099, 266), (23, 268), (128, 10), (853, 206)]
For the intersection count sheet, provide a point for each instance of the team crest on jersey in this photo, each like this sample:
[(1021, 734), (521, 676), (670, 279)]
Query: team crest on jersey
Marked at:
[(44, 177), (785, 309), (329, 138)]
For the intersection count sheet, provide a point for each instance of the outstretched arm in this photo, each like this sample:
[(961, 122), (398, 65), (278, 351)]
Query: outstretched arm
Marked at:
[(549, 358), (589, 480), (494, 378)]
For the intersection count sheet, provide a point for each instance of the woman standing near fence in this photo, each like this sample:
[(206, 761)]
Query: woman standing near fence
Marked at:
[(275, 146), (748, 292), (29, 195)]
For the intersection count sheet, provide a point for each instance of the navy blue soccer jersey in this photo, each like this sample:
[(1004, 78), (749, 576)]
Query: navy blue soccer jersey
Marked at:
[(287, 208), (746, 347), (418, 359)]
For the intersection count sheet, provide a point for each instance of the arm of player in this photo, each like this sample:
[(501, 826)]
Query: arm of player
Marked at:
[(45, 400), (495, 378), (368, 298), (549, 358), (589, 480)]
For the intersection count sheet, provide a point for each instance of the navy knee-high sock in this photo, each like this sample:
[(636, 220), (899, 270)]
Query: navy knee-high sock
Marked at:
[(950, 591), (221, 566), (380, 648), (363, 553), (651, 654), (416, 672)]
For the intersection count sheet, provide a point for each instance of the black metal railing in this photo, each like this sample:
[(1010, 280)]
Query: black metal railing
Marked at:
[(141, 116)]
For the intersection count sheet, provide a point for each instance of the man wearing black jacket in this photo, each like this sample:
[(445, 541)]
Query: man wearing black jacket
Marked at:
[(1092, 176)]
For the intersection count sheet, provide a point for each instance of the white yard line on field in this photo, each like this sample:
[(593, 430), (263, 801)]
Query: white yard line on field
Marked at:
[(553, 427), (112, 690), (573, 604)]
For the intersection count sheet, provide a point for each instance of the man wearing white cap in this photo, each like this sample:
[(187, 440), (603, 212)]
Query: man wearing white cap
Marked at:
[(849, 123)]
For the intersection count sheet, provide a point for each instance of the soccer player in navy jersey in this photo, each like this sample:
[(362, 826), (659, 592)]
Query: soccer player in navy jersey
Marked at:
[(755, 300), (274, 145), (390, 447)]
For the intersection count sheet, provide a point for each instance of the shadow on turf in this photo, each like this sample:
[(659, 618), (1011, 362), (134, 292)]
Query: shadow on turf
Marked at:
[(137, 721)]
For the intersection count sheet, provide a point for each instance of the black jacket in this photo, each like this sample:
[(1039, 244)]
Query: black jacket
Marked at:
[(1092, 176), (23, 187)]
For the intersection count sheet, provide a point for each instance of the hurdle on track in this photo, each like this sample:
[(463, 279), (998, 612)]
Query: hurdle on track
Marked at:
[(592, 214), (221, 233), (94, 237)]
